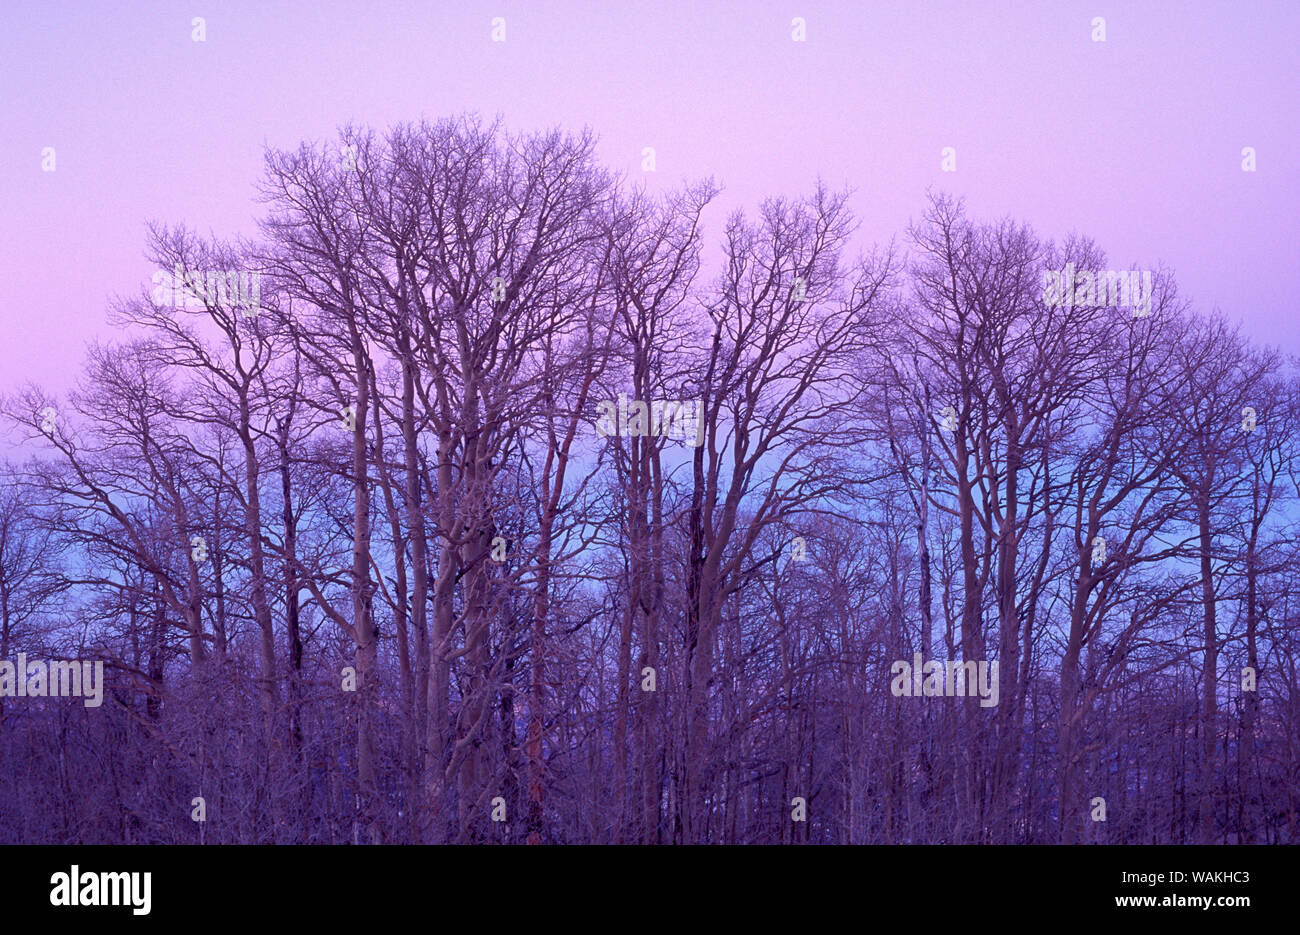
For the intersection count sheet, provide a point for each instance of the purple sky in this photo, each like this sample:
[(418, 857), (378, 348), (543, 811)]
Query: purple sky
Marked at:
[(1135, 141)]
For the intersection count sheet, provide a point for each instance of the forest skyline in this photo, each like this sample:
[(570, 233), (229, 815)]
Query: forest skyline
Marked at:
[(380, 508)]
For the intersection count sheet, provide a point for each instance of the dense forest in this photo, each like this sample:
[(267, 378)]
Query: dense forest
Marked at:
[(485, 497)]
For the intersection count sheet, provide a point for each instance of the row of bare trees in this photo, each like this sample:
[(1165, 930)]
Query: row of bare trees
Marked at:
[(362, 569)]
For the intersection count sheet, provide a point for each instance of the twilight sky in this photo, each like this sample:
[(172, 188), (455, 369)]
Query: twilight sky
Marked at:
[(1135, 141)]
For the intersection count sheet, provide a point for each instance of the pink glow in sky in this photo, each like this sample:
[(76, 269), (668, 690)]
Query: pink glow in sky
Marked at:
[(1135, 141)]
